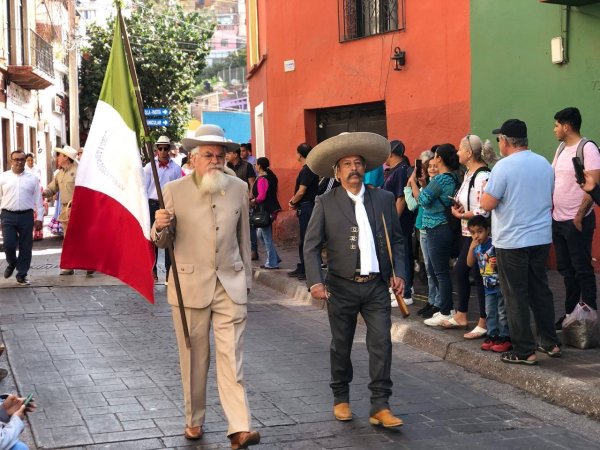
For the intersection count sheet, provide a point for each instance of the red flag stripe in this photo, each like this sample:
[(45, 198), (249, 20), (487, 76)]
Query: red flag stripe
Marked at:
[(104, 236)]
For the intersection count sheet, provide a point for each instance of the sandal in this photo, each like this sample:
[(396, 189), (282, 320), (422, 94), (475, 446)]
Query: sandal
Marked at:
[(476, 333), (452, 323), (513, 358), (550, 351)]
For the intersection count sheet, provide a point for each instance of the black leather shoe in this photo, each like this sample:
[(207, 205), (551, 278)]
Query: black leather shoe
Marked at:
[(431, 312), (294, 273), (424, 309), (302, 276), (8, 271)]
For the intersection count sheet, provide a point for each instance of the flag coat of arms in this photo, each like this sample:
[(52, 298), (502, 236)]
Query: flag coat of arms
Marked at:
[(109, 226)]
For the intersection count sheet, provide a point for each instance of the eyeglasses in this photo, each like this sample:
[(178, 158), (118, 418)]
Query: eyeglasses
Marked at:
[(19, 160), (210, 156)]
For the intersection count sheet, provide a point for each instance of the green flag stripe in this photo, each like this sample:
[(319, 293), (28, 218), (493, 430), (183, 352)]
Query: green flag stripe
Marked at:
[(117, 88)]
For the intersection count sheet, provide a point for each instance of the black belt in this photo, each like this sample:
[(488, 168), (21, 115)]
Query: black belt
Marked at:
[(364, 278), (25, 211)]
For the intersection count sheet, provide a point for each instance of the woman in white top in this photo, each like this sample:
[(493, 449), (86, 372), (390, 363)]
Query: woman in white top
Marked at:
[(475, 155)]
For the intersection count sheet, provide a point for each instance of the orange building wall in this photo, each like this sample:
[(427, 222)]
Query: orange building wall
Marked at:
[(426, 103)]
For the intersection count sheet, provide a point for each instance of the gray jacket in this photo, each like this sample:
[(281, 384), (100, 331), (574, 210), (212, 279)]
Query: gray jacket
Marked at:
[(333, 222)]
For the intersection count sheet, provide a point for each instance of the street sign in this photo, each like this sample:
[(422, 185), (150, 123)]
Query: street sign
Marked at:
[(157, 112), (158, 122)]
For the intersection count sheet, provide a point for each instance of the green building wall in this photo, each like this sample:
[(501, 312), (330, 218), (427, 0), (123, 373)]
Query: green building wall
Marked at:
[(513, 75)]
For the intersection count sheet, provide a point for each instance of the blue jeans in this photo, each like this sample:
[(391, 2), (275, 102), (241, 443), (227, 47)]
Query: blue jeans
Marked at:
[(438, 253), (497, 323), (266, 234), (19, 446), (409, 261), (434, 295)]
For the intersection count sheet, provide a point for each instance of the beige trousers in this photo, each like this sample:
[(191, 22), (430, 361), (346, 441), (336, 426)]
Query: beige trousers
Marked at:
[(228, 322)]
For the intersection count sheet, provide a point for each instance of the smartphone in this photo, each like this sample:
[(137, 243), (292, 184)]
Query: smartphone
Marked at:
[(454, 202), (578, 166), (419, 168), (28, 399)]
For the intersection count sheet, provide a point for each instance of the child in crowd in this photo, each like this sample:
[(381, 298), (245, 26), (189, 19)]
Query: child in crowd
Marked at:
[(483, 253)]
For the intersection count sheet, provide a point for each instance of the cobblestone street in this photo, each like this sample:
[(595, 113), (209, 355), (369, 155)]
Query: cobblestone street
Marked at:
[(103, 365)]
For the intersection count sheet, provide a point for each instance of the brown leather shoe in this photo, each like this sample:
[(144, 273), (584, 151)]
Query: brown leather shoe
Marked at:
[(342, 412), (243, 439), (386, 419), (193, 432)]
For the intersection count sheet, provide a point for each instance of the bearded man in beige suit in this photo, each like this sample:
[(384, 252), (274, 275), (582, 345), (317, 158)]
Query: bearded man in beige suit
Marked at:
[(206, 218)]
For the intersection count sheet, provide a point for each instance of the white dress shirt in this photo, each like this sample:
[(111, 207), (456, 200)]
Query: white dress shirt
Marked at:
[(366, 244), (20, 192)]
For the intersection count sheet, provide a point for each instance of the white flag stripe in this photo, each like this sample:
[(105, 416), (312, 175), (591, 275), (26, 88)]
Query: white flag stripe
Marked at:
[(121, 179)]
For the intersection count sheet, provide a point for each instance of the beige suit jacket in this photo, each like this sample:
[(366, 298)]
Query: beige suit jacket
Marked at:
[(211, 237)]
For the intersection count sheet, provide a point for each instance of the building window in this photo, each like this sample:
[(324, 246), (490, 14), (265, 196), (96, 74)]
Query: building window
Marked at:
[(362, 18)]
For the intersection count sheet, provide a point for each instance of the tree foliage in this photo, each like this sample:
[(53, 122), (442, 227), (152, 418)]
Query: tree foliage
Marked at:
[(169, 48)]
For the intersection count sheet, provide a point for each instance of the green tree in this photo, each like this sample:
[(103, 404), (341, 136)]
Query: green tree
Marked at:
[(169, 48)]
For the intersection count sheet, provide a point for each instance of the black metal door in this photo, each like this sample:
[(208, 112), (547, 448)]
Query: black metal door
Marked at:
[(364, 117)]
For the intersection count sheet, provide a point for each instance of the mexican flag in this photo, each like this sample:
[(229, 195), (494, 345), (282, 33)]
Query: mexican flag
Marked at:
[(109, 226)]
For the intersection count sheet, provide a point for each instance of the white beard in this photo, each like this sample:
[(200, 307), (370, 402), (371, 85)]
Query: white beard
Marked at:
[(212, 182)]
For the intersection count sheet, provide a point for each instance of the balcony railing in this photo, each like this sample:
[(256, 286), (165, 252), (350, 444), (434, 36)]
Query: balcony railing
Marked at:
[(41, 54)]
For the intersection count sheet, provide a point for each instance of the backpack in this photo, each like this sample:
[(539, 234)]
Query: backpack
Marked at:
[(580, 146), (453, 222), (472, 183)]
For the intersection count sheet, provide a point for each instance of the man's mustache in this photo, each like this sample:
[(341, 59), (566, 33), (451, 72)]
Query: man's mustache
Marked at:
[(216, 166), (351, 174)]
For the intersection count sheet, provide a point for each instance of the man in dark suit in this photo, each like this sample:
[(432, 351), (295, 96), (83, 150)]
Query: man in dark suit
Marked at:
[(348, 220)]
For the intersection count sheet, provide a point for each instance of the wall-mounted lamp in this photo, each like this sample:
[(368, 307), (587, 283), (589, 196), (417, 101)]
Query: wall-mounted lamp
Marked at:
[(399, 58)]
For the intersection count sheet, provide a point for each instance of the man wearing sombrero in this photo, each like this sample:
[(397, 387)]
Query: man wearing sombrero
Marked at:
[(206, 218), (64, 182), (348, 220)]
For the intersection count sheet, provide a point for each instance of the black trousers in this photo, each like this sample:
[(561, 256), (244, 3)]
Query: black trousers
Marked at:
[(372, 301), (574, 260), (524, 283), (154, 206), (303, 212), (17, 229), (463, 284)]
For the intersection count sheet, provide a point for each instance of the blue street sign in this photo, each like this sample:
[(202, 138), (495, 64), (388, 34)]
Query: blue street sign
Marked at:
[(158, 122), (157, 112)]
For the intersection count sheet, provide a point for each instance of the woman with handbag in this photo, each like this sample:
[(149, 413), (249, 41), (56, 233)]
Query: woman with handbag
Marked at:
[(264, 200)]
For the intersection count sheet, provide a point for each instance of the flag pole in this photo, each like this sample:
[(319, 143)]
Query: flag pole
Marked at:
[(150, 156)]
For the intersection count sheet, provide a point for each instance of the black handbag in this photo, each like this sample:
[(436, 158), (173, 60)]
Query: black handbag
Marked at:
[(260, 218)]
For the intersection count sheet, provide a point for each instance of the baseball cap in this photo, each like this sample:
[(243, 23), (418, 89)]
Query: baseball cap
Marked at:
[(514, 128), (397, 147)]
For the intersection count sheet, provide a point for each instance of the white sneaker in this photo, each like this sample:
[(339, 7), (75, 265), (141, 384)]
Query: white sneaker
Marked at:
[(408, 301), (395, 303), (437, 319)]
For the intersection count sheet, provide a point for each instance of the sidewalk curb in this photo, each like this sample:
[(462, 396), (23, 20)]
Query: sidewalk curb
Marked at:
[(575, 395)]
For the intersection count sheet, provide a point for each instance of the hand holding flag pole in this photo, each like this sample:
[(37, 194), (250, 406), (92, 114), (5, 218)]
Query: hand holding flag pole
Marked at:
[(152, 163), (399, 299)]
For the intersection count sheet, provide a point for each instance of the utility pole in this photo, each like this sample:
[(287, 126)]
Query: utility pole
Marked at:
[(73, 79)]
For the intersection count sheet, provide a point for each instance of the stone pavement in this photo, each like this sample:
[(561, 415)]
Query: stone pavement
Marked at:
[(572, 381), (103, 365)]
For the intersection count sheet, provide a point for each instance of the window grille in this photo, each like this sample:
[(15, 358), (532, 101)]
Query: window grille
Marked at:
[(362, 18)]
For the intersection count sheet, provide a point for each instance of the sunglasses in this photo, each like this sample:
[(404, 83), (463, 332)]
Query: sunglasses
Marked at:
[(19, 159), (162, 149)]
